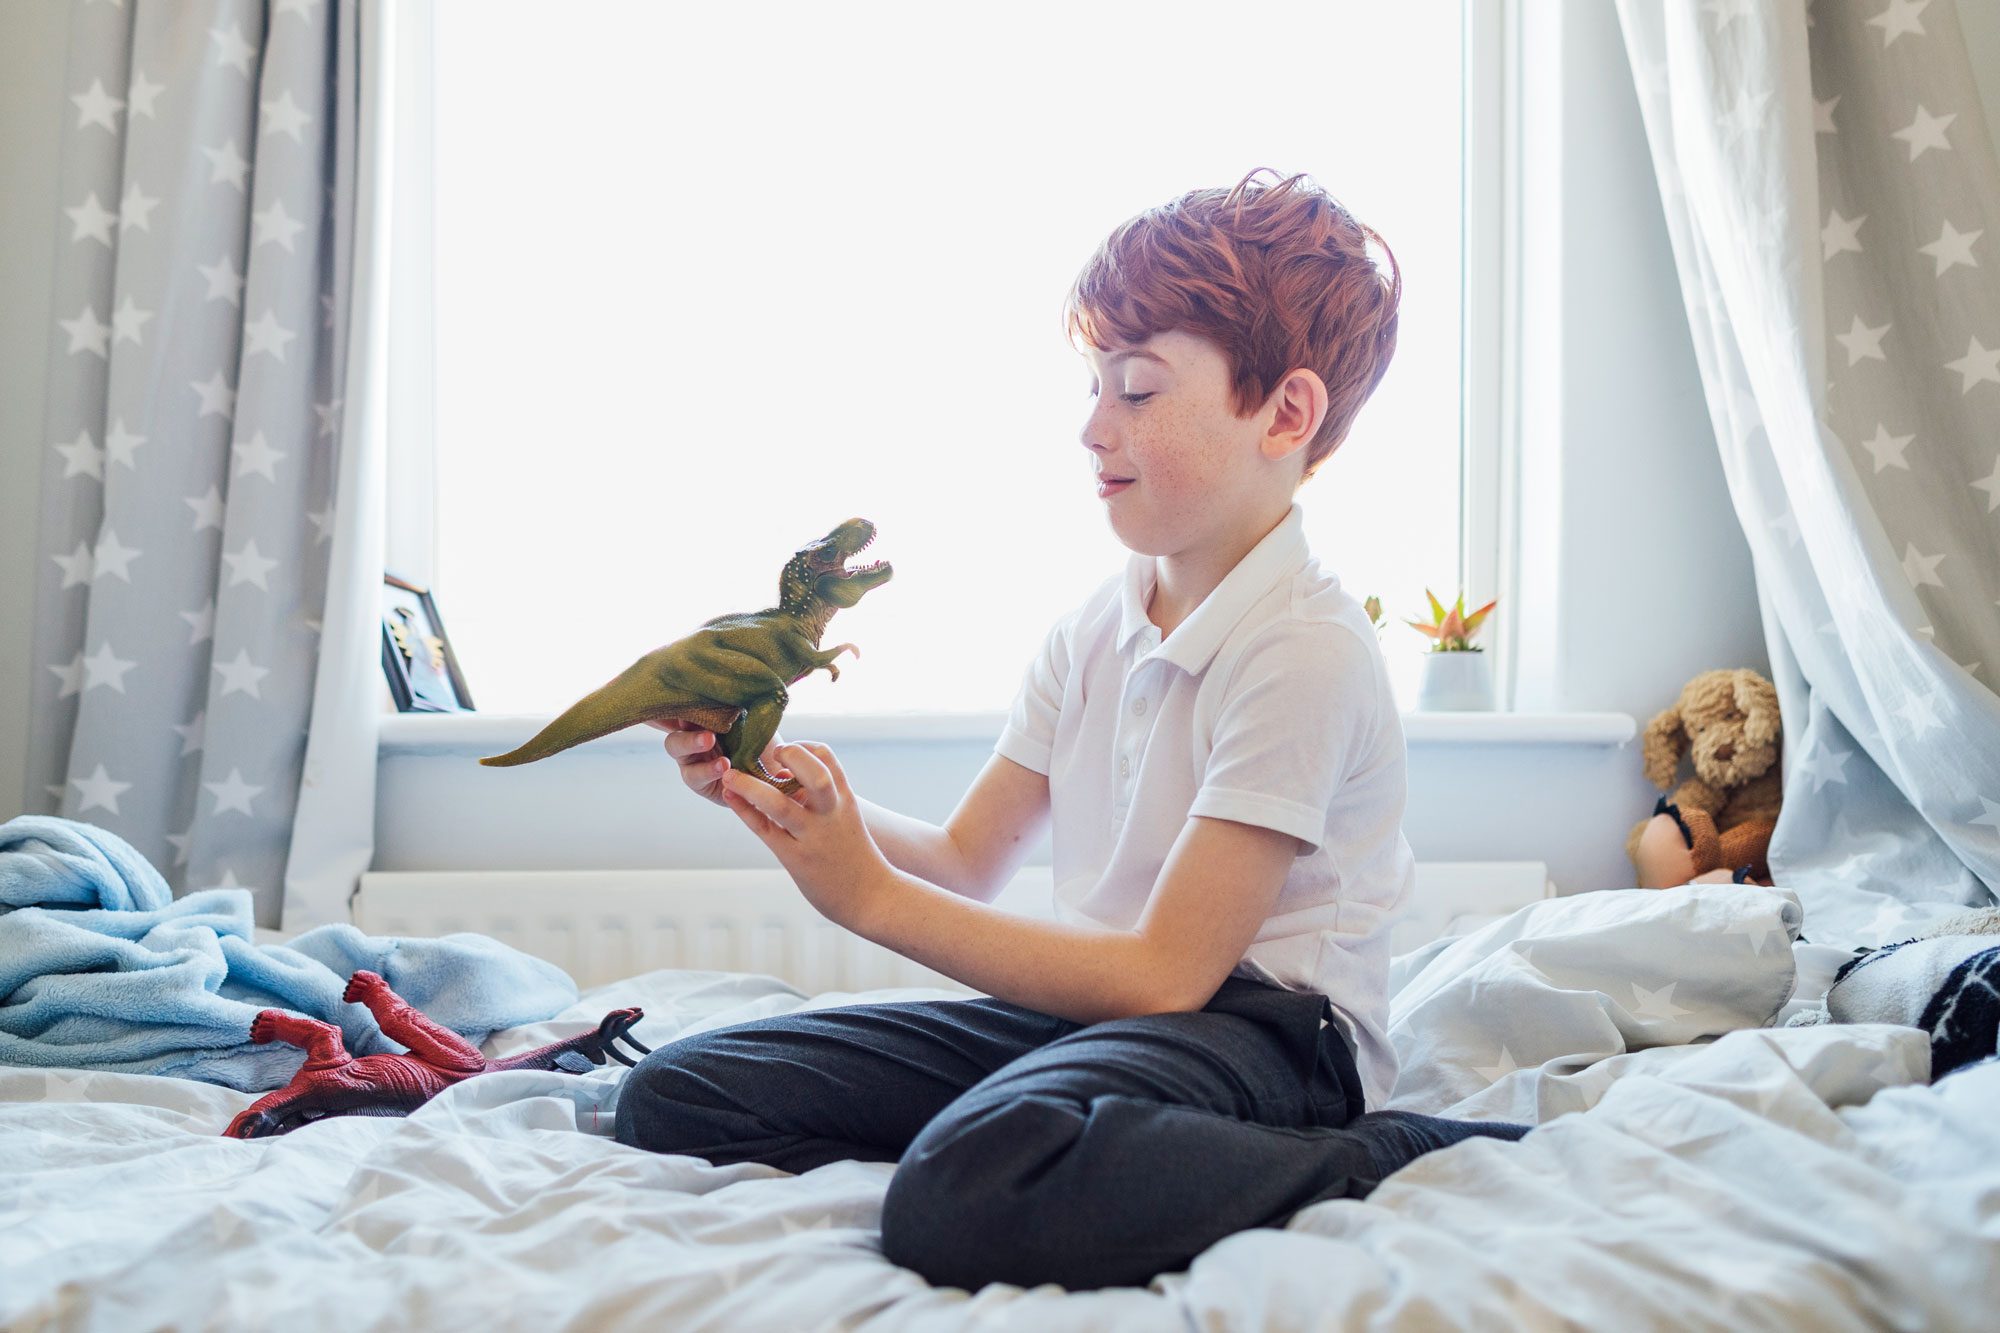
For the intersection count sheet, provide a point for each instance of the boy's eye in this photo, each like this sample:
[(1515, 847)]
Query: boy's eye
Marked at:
[(1135, 398)]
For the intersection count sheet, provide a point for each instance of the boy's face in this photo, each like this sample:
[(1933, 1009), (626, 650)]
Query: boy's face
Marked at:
[(1161, 414)]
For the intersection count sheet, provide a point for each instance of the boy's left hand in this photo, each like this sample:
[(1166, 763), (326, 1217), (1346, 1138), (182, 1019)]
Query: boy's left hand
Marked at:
[(817, 834)]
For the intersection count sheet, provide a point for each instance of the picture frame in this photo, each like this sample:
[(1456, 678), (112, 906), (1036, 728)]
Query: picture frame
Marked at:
[(417, 655)]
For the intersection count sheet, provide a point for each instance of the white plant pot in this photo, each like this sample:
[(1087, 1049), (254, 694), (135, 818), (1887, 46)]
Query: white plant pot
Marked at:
[(1456, 682)]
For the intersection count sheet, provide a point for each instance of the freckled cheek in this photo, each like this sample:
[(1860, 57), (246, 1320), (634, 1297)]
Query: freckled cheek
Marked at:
[(1167, 474), (1170, 462), (1161, 454)]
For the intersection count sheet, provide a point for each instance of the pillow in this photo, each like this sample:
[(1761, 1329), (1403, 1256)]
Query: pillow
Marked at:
[(1573, 980)]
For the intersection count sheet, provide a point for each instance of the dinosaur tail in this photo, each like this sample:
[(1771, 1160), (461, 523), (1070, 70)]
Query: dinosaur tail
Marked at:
[(631, 697)]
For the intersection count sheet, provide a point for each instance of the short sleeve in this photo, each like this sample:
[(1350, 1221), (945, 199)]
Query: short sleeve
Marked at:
[(1029, 736), (1298, 713)]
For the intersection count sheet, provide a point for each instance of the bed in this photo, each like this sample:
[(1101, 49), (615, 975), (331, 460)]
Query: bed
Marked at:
[(1698, 1163)]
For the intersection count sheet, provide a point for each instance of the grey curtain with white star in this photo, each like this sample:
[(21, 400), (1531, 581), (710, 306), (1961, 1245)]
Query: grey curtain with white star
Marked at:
[(1833, 199), (206, 623)]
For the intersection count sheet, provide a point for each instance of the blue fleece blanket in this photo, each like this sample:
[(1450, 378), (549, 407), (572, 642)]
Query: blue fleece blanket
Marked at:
[(101, 967)]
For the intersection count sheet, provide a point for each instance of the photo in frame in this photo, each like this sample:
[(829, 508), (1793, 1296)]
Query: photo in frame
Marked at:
[(416, 653)]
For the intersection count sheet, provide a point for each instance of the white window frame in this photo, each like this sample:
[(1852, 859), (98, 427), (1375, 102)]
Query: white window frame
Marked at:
[(1490, 369), (1489, 363), (411, 531)]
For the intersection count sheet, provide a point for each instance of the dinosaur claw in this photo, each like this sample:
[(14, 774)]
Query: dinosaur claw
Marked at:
[(786, 785), (253, 1125), (360, 984), (617, 1027)]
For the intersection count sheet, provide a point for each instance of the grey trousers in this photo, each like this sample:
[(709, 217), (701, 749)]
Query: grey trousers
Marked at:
[(1033, 1149)]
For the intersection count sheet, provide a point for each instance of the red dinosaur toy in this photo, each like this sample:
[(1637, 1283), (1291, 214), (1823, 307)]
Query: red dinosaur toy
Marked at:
[(331, 1082)]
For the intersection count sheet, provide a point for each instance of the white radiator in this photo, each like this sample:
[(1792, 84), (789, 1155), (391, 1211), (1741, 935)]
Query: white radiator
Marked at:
[(601, 925)]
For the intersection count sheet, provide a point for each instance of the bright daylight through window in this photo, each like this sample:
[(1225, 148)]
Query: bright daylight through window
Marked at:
[(710, 280)]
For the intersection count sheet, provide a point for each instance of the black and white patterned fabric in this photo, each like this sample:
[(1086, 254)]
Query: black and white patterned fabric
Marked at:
[(1948, 985), (1963, 1018)]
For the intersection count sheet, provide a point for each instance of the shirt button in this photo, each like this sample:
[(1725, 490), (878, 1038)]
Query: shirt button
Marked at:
[(1138, 707), (1124, 767)]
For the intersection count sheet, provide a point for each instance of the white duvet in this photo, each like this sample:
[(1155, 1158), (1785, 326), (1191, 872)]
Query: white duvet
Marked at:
[(1694, 1168)]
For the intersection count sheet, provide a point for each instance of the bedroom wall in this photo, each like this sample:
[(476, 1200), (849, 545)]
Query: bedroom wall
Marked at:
[(1635, 576)]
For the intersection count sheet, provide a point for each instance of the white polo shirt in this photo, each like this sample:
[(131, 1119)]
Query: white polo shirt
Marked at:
[(1270, 705)]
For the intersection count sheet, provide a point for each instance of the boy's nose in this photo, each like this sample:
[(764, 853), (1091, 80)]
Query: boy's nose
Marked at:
[(1102, 453), (1093, 434)]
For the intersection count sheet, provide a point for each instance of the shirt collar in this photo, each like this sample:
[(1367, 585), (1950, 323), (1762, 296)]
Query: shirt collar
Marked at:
[(1281, 552)]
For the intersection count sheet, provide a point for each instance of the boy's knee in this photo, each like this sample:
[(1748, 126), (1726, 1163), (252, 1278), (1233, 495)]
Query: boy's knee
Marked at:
[(953, 1237), (658, 1107), (970, 1201)]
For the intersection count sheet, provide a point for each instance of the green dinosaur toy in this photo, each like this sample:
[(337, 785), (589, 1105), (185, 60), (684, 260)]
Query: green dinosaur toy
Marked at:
[(729, 676)]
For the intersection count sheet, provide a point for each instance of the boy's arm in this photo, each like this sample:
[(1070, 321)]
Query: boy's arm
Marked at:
[(983, 843), (1290, 732), (1216, 888), (916, 846)]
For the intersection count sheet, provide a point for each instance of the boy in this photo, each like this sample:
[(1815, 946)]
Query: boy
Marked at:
[(1189, 1049)]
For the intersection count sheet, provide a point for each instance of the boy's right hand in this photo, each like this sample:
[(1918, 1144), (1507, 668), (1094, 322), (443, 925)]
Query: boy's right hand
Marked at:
[(701, 766)]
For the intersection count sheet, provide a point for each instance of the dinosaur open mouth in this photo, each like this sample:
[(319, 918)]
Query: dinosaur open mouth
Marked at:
[(844, 572)]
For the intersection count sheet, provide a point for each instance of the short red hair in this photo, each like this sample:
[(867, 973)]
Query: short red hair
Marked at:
[(1277, 276)]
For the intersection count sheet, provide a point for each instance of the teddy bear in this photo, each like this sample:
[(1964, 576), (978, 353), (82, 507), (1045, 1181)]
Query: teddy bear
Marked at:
[(1716, 826)]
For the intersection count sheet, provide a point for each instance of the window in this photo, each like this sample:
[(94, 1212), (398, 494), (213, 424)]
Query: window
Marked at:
[(709, 281)]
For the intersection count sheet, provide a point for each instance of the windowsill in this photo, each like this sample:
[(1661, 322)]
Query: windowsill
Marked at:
[(496, 733)]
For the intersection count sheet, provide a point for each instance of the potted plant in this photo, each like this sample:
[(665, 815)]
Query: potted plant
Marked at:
[(1456, 675)]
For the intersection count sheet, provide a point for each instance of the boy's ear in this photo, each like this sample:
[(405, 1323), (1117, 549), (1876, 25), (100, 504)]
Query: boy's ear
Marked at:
[(1300, 406)]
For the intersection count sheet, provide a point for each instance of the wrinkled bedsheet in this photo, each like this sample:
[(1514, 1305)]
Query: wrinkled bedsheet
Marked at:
[(1693, 1167)]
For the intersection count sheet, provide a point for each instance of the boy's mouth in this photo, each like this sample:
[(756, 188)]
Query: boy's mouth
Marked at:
[(1109, 486)]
